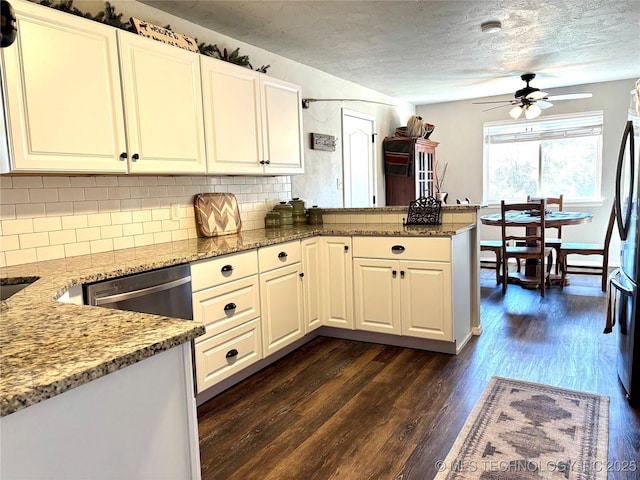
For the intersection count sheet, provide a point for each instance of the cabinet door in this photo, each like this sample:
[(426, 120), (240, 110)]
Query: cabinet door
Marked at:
[(282, 127), (63, 97), (232, 117), (281, 307), (376, 295), (337, 282), (163, 106), (311, 286), (426, 300)]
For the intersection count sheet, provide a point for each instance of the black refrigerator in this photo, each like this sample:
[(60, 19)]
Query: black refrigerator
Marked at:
[(623, 282)]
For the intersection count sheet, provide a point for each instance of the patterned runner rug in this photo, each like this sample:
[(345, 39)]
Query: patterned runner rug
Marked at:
[(521, 430)]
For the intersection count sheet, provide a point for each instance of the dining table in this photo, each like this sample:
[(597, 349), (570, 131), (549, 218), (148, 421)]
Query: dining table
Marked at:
[(530, 222)]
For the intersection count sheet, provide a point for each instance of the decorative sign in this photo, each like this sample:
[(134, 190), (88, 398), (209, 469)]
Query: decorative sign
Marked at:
[(164, 35), (323, 142)]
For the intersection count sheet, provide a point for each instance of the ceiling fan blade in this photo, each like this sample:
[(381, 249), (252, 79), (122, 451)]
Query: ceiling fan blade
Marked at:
[(493, 108), (570, 96), (537, 95), (495, 101), (543, 104)]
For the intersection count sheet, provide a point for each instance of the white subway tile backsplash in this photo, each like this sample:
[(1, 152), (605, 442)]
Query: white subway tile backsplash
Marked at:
[(59, 208), (18, 257), (27, 182), (47, 224), (77, 249), (99, 219), (9, 242), (99, 246), (30, 210), (132, 229), (50, 253), (73, 222), (82, 215), (56, 182), (17, 227), (33, 240), (11, 196), (106, 181)]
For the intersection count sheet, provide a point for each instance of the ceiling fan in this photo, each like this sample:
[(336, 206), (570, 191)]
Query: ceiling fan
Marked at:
[(531, 101)]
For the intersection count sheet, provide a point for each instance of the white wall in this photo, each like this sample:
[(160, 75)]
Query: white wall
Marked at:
[(459, 128)]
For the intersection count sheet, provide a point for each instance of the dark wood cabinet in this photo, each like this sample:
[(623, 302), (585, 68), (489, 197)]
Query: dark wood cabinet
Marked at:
[(403, 189)]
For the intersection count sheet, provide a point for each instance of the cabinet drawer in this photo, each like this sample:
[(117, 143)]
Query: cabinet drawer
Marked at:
[(407, 248), (226, 306), (223, 355), (279, 255), (218, 270)]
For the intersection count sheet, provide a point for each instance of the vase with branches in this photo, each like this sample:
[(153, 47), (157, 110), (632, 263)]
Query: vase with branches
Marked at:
[(439, 182)]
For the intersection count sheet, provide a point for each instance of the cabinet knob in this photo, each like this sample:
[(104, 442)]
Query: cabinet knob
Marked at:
[(301, 274), (262, 162), (268, 162), (346, 248), (401, 273), (123, 156), (394, 273), (232, 353), (227, 269), (229, 306), (282, 255), (135, 157), (397, 249)]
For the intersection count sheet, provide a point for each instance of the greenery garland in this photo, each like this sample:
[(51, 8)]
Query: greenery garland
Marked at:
[(109, 16)]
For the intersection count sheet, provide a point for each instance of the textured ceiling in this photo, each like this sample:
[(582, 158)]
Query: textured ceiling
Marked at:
[(434, 51)]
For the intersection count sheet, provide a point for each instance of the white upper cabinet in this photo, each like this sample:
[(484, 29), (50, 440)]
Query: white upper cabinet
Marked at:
[(163, 106), (253, 123), (232, 117), (62, 95), (282, 126)]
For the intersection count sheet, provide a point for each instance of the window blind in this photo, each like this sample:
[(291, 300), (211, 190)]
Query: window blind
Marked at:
[(548, 128)]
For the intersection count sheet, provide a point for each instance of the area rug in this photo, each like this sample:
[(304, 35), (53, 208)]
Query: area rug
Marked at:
[(522, 430)]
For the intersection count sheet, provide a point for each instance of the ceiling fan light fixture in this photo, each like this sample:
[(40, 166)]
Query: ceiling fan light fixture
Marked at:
[(491, 26), (515, 112), (532, 111), (537, 95)]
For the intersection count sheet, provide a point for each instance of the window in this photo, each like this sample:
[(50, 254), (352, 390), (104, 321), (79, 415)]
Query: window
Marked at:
[(560, 154)]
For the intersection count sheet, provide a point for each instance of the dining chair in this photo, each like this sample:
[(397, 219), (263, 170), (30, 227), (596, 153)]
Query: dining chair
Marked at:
[(494, 246), (527, 246), (567, 249), (553, 242)]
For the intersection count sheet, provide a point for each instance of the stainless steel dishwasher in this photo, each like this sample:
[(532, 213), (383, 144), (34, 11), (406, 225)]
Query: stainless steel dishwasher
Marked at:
[(166, 292)]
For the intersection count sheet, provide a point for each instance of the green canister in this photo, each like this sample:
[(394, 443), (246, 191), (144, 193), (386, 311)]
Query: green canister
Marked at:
[(286, 214), (315, 215), (272, 219), (299, 214)]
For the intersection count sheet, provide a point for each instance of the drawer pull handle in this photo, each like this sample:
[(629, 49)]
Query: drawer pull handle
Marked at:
[(227, 268), (397, 249), (282, 255), (229, 306), (232, 353)]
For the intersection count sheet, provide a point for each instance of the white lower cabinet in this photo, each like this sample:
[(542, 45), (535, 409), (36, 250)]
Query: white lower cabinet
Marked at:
[(403, 297), (337, 282), (226, 299), (311, 287), (281, 301)]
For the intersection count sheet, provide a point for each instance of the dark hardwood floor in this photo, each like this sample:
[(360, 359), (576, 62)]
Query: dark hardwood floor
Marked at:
[(351, 410)]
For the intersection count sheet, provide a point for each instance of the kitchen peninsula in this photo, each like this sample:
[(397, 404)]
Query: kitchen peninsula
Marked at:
[(54, 353)]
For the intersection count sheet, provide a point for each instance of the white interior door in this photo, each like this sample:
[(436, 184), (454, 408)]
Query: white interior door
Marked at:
[(358, 159)]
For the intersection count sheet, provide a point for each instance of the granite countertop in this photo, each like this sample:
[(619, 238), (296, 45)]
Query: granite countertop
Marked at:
[(49, 347)]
